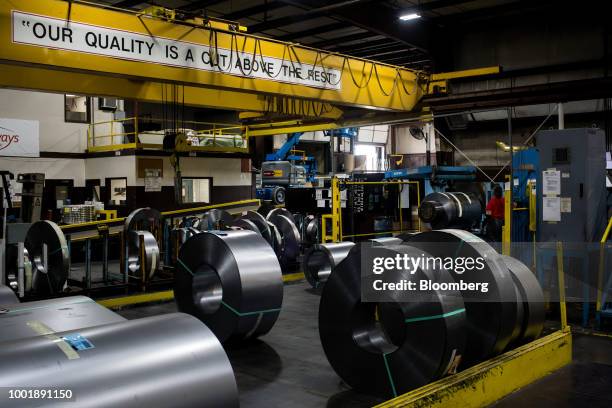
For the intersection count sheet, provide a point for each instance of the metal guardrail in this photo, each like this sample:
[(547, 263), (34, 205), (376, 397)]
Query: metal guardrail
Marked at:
[(196, 136)]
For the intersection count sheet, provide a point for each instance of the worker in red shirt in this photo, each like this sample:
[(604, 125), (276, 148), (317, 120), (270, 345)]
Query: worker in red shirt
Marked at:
[(495, 215)]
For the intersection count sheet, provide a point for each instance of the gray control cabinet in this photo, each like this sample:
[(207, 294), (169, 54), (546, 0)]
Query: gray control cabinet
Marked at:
[(579, 156)]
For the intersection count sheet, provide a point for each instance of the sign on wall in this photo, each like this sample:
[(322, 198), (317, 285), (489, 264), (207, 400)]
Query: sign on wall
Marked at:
[(19, 137), (55, 33)]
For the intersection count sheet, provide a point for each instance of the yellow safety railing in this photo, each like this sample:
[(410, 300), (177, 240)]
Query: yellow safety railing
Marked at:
[(133, 133)]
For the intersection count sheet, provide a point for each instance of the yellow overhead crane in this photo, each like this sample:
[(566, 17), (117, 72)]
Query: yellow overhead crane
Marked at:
[(85, 48)]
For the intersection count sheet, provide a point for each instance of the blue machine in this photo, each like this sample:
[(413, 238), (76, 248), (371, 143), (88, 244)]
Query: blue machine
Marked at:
[(283, 170), (283, 154), (435, 178), (525, 171)]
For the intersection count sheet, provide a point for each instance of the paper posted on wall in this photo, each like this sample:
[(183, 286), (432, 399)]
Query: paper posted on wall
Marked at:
[(551, 209), (153, 180)]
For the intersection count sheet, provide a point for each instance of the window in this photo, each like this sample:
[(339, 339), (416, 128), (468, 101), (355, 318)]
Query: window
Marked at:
[(374, 156), (76, 109), (196, 189)]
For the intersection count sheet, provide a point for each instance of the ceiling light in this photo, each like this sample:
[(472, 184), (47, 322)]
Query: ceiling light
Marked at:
[(411, 16)]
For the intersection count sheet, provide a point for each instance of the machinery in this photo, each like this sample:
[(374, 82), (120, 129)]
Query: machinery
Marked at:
[(435, 178), (281, 171)]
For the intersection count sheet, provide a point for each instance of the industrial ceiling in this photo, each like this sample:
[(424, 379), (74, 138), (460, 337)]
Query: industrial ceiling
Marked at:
[(361, 28)]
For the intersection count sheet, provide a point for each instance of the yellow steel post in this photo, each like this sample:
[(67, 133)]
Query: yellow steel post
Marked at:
[(506, 233), (561, 278), (602, 262), (336, 211)]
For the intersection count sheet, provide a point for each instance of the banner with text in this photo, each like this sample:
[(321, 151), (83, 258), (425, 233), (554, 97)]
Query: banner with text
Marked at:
[(56, 33), (19, 138)]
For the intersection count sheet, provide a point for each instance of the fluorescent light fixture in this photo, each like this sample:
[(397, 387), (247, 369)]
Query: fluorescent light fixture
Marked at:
[(411, 16)]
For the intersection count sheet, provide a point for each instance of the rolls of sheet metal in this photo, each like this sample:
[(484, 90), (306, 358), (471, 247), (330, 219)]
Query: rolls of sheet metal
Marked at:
[(290, 237), (311, 230), (391, 347), (215, 219), (280, 211), (321, 259), (230, 280), (276, 239), (44, 238), (142, 219), (12, 268), (261, 223), (532, 298), (141, 245), (245, 225), (166, 361), (386, 241), (7, 296), (491, 315), (150, 250), (23, 320), (451, 210)]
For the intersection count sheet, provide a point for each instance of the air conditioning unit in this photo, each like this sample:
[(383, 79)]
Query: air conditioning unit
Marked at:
[(108, 104)]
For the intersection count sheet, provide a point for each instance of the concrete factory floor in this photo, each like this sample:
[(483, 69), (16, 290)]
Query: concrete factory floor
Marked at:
[(287, 367)]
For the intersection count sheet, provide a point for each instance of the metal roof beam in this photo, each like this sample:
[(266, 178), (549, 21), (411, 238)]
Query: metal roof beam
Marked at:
[(333, 42), (313, 31), (378, 18), (251, 11)]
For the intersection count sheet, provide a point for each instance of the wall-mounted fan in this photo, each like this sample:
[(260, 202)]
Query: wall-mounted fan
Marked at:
[(417, 133)]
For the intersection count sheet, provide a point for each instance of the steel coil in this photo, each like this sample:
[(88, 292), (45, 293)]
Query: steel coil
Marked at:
[(245, 225), (150, 250), (280, 211), (491, 315), (231, 280), (12, 268), (167, 361), (289, 248), (47, 278), (311, 230), (321, 259), (215, 219), (451, 210), (532, 297), (23, 320), (390, 347), (261, 223), (142, 219), (386, 241)]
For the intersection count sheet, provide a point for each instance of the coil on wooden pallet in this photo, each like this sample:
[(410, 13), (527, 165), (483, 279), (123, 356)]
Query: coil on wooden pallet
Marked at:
[(169, 361), (216, 220), (231, 281), (491, 315), (321, 259), (530, 301), (391, 347), (45, 238)]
